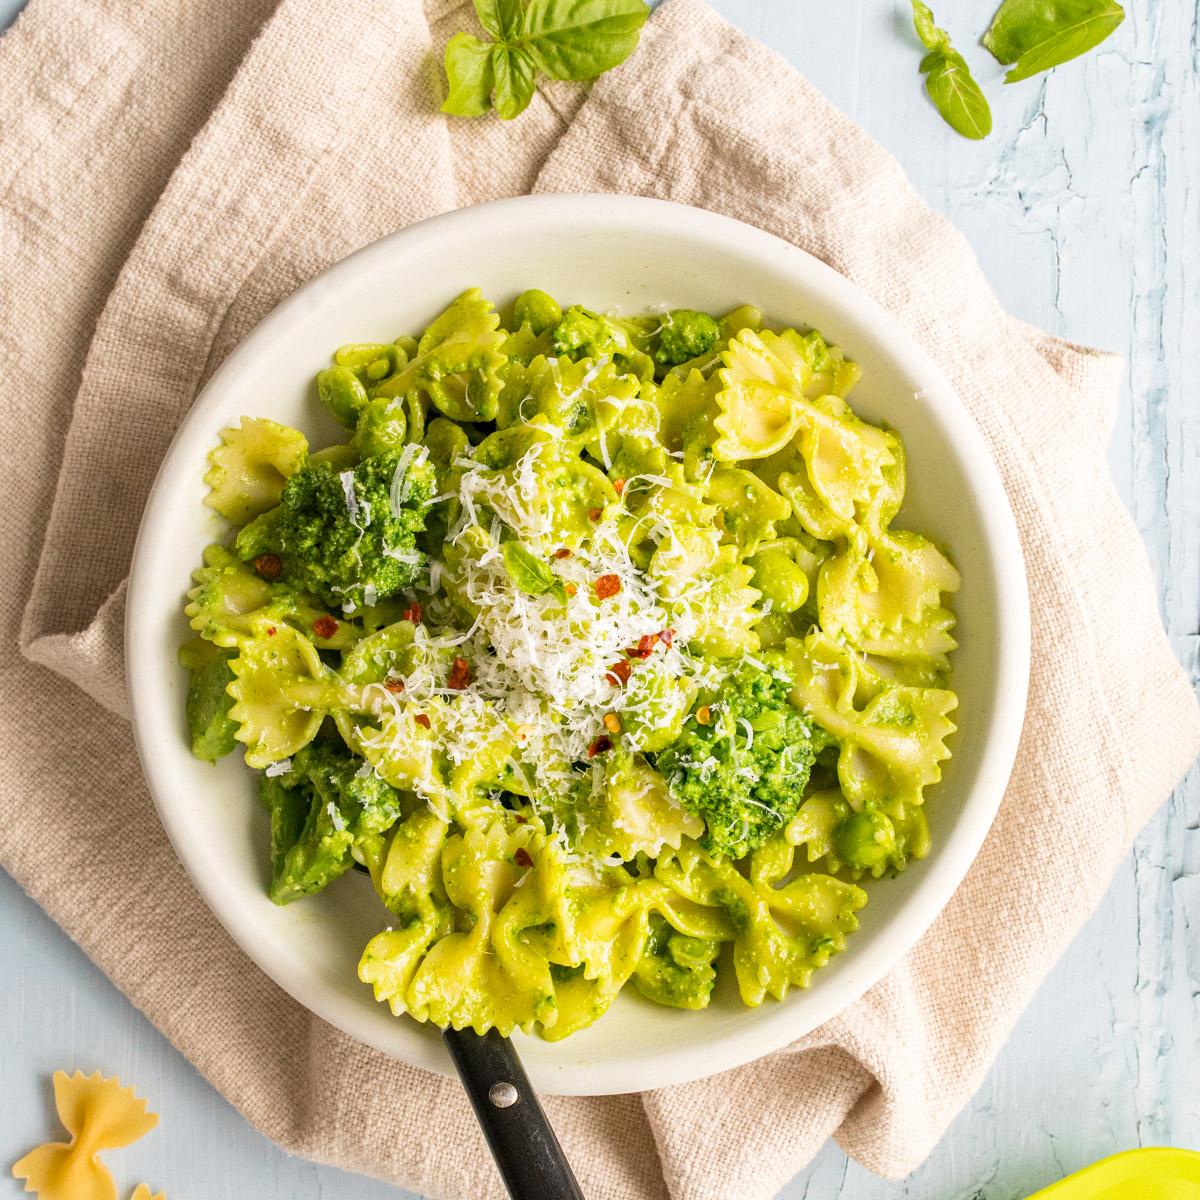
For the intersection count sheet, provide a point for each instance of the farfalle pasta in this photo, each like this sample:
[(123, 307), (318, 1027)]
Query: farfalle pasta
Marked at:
[(591, 644), (100, 1115)]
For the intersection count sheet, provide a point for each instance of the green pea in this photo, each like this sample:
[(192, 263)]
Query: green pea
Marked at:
[(371, 361), (780, 580), (380, 429), (536, 309), (866, 840), (342, 393)]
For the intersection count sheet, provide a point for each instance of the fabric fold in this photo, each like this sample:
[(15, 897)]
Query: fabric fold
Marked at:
[(220, 157)]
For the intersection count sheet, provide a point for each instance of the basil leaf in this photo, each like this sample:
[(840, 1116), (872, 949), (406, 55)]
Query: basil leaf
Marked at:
[(514, 71), (580, 39), (1040, 34), (530, 573), (501, 18), (948, 79), (489, 18), (932, 38), (469, 73), (956, 95)]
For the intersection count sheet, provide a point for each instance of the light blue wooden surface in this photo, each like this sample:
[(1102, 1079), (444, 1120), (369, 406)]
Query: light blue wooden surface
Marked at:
[(1084, 209)]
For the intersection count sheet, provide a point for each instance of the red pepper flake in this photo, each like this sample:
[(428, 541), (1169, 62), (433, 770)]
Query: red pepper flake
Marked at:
[(325, 627), (667, 637), (618, 673), (520, 820), (412, 613), (645, 646), (607, 585), (460, 675), (271, 631), (269, 566), (618, 486), (562, 552), (394, 685), (595, 514), (522, 857), (599, 746), (422, 720)]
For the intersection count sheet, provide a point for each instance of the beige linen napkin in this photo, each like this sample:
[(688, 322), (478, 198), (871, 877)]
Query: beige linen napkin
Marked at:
[(168, 172)]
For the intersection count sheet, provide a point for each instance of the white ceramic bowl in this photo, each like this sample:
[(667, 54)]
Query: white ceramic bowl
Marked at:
[(603, 251)]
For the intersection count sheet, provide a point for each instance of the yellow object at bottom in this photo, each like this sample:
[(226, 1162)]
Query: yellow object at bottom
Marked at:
[(1155, 1173)]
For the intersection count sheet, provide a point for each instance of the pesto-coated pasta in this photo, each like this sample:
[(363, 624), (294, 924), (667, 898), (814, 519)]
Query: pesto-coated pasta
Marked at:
[(592, 644)]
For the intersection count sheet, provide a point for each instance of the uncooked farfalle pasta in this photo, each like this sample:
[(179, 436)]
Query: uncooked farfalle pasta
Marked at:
[(592, 643)]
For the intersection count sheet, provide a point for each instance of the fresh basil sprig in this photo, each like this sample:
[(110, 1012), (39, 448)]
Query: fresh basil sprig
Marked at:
[(1039, 34), (564, 39), (532, 575), (948, 79)]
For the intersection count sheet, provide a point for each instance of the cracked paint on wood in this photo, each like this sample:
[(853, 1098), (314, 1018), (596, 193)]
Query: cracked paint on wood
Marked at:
[(1084, 209)]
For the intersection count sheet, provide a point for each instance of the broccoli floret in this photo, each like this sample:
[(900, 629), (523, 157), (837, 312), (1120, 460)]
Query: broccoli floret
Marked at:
[(685, 334), (323, 809), (348, 537), (585, 334), (743, 760)]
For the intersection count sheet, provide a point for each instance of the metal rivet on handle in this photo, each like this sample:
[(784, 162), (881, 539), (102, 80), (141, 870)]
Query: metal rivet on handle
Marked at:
[(503, 1095)]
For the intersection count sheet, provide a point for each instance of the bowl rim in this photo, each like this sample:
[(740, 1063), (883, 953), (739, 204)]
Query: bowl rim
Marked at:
[(942, 872)]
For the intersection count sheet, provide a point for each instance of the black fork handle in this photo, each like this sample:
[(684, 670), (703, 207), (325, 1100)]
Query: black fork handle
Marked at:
[(531, 1161)]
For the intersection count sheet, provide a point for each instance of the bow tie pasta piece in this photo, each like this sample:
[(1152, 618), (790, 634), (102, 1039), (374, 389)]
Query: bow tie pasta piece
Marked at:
[(409, 879), (405, 748), (230, 599), (723, 606), (890, 751), (533, 485), (879, 587), (748, 510), (897, 744), (784, 929), (99, 1115), (410, 884), (630, 811), (476, 979), (609, 935), (847, 471), (458, 364), (248, 470), (763, 378), (281, 692), (686, 406)]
